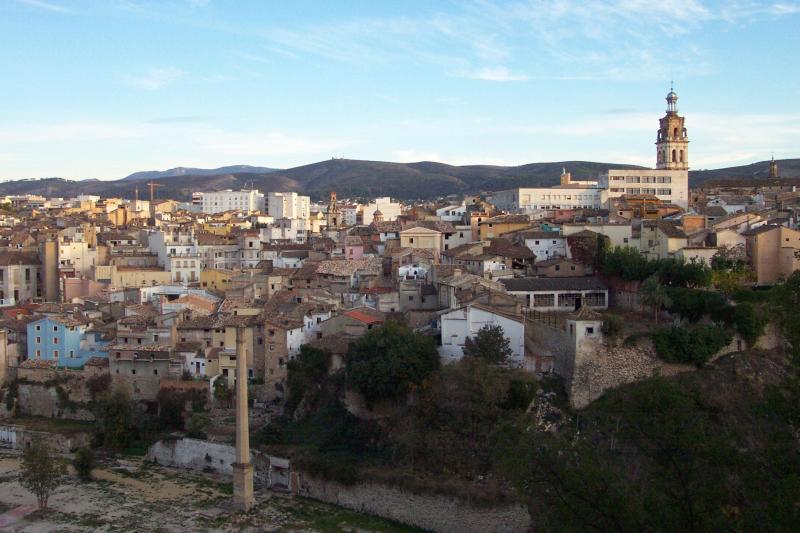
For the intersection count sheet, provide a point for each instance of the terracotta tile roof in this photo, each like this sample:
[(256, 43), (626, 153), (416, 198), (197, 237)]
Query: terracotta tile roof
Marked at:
[(372, 265), (507, 219), (362, 316), (37, 363)]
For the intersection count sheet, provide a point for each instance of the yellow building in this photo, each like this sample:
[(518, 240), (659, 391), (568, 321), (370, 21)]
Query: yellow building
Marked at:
[(422, 237), (216, 278), (496, 226), (123, 277)]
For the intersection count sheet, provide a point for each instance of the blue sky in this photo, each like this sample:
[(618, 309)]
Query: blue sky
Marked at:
[(100, 89)]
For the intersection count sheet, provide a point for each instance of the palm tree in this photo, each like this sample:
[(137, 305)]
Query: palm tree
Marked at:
[(654, 294)]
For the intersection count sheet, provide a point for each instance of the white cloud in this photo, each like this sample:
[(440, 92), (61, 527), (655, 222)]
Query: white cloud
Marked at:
[(45, 5), (495, 74), (154, 78)]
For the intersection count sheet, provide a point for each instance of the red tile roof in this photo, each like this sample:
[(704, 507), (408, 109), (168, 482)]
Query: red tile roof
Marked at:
[(363, 317)]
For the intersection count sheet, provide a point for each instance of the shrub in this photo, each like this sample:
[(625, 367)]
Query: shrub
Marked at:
[(612, 326), (84, 463), (695, 345)]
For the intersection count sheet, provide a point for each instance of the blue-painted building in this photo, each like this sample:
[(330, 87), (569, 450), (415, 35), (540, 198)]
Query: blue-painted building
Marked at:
[(67, 340)]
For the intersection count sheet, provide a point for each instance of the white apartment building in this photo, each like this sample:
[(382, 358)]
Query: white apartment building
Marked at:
[(288, 205), (228, 200), (390, 210)]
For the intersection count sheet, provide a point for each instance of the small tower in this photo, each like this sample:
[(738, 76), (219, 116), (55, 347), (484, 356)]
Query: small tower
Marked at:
[(672, 143), (377, 216), (566, 177), (773, 168), (333, 218)]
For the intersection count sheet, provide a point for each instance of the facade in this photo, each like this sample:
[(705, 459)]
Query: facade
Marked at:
[(288, 205), (558, 294), (773, 252), (467, 321), (389, 210), (19, 277), (228, 200), (64, 340)]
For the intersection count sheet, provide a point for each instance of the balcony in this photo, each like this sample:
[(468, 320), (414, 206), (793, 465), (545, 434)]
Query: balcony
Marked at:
[(7, 302)]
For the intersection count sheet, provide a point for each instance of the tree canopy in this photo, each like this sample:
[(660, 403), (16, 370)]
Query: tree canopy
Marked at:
[(490, 344), (388, 361)]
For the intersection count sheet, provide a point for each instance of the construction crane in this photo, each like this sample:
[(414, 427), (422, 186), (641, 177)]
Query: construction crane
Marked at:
[(152, 185)]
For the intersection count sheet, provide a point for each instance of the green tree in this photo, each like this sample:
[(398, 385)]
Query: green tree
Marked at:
[(612, 326), (42, 472), (84, 463), (115, 419), (306, 372), (654, 294), (196, 425), (222, 393), (490, 344), (387, 362)]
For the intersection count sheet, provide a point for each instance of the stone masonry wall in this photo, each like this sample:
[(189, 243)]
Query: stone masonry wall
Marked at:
[(431, 512), (54, 394)]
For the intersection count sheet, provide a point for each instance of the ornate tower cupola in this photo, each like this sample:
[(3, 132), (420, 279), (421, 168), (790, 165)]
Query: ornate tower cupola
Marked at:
[(773, 168), (672, 143)]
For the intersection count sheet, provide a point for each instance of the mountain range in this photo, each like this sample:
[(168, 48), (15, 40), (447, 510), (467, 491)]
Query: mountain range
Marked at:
[(358, 178)]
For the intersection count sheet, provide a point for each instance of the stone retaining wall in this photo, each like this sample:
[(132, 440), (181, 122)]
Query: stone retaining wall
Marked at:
[(428, 511)]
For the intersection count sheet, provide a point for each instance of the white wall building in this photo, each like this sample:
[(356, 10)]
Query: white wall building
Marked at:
[(452, 213), (390, 210), (288, 205), (228, 200), (467, 321)]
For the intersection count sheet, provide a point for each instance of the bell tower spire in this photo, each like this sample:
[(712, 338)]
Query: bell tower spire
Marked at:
[(672, 143)]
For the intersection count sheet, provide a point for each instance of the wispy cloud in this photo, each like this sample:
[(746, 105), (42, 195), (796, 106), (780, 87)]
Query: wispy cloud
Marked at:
[(495, 74), (41, 4), (154, 78)]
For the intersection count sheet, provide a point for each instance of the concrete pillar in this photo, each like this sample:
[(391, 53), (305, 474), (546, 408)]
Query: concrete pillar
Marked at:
[(243, 498)]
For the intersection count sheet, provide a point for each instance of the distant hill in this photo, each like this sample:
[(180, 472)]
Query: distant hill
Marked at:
[(184, 171), (353, 178), (787, 168)]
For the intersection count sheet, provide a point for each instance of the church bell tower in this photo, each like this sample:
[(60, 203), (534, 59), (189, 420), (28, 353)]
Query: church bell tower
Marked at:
[(672, 143), (334, 218)]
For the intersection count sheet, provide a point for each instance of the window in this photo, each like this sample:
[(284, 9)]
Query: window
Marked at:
[(38, 328), (558, 267), (55, 328), (38, 340), (589, 330), (38, 354), (411, 240), (55, 354), (55, 340), (72, 354), (155, 371)]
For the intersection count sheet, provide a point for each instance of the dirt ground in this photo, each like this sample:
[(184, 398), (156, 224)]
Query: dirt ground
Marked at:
[(132, 495)]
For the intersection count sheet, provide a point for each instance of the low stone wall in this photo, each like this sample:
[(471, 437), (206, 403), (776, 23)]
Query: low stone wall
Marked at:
[(428, 511), (19, 438), (205, 456)]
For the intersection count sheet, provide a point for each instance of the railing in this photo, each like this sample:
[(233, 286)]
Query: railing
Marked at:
[(6, 302)]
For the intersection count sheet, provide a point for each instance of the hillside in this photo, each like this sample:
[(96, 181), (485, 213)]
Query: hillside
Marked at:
[(787, 168), (184, 171), (349, 177)]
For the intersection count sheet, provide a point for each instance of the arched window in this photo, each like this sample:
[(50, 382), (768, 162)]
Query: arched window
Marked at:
[(674, 156), (675, 133), (681, 156)]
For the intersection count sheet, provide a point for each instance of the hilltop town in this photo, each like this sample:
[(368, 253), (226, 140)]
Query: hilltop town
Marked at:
[(357, 313)]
